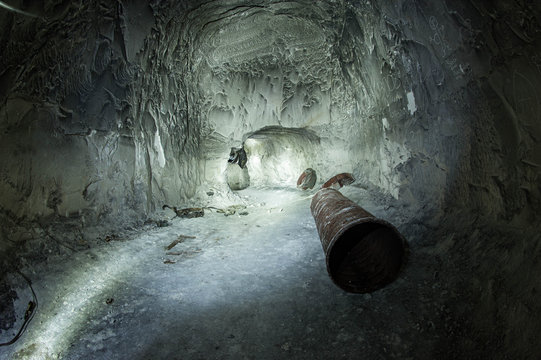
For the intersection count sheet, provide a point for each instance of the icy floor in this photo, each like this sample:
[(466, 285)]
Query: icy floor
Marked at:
[(246, 287)]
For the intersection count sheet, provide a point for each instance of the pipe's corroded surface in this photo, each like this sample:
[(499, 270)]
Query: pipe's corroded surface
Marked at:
[(363, 253)]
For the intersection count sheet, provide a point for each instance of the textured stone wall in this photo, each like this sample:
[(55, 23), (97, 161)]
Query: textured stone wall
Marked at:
[(434, 103), (113, 109), (267, 64), (96, 124), (447, 97)]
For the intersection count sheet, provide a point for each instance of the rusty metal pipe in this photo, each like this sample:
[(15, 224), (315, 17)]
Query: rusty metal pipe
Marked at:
[(363, 253)]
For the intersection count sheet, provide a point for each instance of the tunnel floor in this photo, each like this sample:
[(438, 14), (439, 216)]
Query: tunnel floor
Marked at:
[(245, 287)]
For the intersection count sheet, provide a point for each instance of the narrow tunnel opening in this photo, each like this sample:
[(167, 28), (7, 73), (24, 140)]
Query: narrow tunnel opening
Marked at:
[(260, 91)]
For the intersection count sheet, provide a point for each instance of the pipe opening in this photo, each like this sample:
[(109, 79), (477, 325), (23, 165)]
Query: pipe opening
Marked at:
[(366, 257)]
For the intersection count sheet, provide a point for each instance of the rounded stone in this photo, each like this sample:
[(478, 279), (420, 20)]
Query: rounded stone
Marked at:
[(237, 177)]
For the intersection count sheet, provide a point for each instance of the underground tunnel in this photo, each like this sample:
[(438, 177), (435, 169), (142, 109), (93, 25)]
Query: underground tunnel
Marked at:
[(114, 114)]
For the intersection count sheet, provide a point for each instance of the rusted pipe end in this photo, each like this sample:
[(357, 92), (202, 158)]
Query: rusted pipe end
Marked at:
[(363, 253), (339, 181), (307, 180)]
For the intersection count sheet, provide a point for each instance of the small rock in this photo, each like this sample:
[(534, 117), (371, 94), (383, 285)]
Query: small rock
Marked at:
[(162, 223), (286, 346), (237, 177)]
